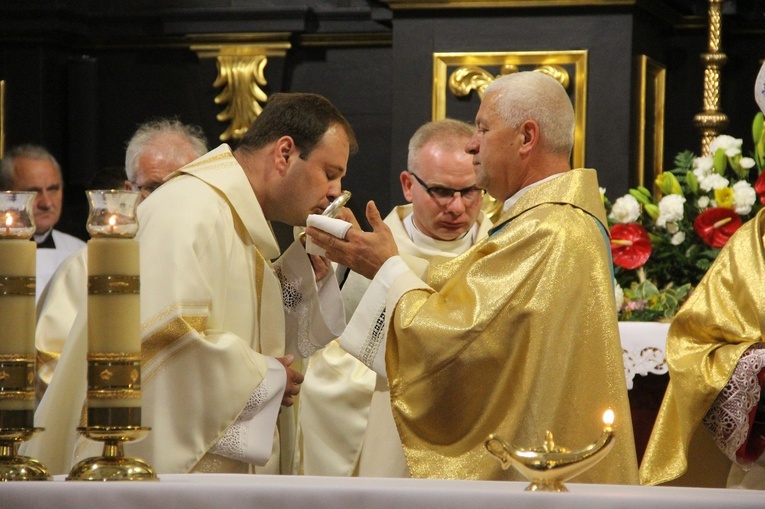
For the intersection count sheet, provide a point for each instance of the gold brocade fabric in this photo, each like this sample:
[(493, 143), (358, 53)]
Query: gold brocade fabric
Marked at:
[(724, 316), (519, 337)]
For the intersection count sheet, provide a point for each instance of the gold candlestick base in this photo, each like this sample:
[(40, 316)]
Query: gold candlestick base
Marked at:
[(19, 468), (113, 465)]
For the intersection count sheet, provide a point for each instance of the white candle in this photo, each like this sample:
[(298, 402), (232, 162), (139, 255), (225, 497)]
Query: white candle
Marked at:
[(114, 319)]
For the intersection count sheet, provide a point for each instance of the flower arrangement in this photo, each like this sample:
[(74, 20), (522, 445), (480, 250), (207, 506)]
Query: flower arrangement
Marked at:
[(663, 245)]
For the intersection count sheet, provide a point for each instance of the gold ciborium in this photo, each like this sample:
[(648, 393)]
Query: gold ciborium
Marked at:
[(548, 467)]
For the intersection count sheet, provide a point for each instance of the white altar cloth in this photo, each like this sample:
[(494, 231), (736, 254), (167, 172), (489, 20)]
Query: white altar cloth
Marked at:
[(643, 347), (204, 491)]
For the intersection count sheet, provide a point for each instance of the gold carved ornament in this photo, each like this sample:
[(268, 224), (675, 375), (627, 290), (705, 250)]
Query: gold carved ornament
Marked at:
[(241, 78), (468, 78)]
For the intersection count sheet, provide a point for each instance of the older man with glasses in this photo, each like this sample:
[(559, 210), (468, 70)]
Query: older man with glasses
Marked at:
[(346, 419)]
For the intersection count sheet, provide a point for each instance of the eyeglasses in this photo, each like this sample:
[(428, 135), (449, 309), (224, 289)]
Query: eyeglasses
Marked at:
[(444, 195)]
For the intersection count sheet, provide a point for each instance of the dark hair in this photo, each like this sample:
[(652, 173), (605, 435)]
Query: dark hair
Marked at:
[(303, 117)]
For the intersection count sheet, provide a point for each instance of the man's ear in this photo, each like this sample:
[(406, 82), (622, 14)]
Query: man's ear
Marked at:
[(406, 185), (530, 132), (283, 150)]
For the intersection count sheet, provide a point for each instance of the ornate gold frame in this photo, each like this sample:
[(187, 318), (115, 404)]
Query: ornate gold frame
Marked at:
[(648, 120), (549, 60)]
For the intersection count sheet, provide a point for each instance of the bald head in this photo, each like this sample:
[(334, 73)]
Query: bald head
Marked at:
[(536, 96)]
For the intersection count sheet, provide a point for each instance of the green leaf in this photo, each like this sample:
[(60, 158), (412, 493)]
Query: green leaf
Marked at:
[(720, 161), (640, 197)]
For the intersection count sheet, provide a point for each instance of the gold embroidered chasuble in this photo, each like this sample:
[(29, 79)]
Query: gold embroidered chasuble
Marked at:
[(338, 389), (724, 316), (516, 336)]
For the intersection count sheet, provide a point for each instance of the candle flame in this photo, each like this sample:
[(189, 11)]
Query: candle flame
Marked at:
[(112, 221), (608, 417), (8, 219)]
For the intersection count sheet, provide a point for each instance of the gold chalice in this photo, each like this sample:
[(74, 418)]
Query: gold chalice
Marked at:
[(547, 468)]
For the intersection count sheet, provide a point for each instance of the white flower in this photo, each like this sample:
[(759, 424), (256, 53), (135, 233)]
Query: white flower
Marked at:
[(746, 163), (713, 181), (703, 202), (703, 167), (743, 197), (602, 191), (625, 209), (619, 296), (678, 238), (731, 145), (672, 227), (670, 209)]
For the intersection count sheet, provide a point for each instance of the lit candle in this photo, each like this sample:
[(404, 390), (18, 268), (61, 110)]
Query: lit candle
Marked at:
[(114, 336), (17, 310)]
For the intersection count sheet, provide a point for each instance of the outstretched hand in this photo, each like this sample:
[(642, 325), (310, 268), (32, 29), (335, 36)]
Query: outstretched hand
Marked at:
[(363, 252)]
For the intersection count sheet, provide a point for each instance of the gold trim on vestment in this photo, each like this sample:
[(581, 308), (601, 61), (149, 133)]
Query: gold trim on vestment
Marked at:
[(207, 160), (114, 284), (17, 285), (260, 268), (166, 335)]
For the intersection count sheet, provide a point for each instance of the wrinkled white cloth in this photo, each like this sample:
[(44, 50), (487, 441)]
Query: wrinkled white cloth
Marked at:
[(335, 227)]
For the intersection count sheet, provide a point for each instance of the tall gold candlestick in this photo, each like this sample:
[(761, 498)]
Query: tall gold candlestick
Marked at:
[(17, 310), (17, 336), (114, 342)]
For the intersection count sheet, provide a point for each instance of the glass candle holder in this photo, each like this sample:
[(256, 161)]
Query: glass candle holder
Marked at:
[(112, 213), (16, 218)]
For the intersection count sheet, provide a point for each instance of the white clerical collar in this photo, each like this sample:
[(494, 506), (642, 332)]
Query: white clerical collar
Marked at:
[(517, 196), (455, 247), (42, 237)]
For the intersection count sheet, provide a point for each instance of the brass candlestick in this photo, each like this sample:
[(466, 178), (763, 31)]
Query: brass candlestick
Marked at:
[(548, 467), (17, 338), (114, 347), (112, 465), (19, 468)]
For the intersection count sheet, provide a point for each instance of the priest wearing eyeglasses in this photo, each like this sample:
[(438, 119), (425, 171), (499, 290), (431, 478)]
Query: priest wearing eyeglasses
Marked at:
[(516, 336), (346, 419)]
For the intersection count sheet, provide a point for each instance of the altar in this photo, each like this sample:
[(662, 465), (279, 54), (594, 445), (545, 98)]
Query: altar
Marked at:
[(202, 491)]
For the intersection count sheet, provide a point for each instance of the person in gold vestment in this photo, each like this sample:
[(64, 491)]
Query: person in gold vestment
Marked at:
[(346, 422), (220, 325), (516, 336), (710, 430)]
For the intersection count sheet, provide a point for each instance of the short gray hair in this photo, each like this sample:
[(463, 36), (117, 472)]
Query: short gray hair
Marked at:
[(539, 97), (449, 133), (149, 131), (29, 151)]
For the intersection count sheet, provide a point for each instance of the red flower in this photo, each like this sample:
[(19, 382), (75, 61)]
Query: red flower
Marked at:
[(759, 187), (716, 225), (630, 245)]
